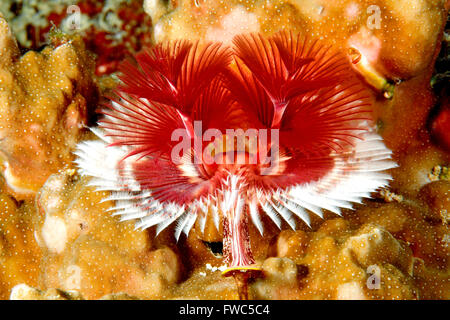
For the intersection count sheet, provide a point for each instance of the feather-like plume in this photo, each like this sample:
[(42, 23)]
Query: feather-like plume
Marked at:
[(174, 73), (297, 97), (286, 66)]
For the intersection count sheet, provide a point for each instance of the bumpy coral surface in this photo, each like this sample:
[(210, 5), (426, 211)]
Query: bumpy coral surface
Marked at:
[(64, 244), (19, 253), (43, 108), (88, 250)]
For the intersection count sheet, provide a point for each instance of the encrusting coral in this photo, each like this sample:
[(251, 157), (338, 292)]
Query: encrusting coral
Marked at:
[(66, 245), (339, 263), (398, 35), (24, 292), (44, 100), (20, 255), (87, 249)]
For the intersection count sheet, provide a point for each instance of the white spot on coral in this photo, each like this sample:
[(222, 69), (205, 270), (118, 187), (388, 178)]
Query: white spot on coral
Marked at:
[(54, 233), (214, 269), (237, 21), (367, 43), (14, 182), (350, 291), (352, 11)]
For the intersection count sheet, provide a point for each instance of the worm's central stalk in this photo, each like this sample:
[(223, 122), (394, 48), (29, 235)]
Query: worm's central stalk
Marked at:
[(236, 242), (236, 246)]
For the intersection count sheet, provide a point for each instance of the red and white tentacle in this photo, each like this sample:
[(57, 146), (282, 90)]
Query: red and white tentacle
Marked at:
[(356, 175), (107, 165)]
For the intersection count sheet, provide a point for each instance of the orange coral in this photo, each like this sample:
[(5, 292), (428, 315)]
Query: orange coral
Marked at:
[(88, 250), (19, 254), (70, 242), (44, 98)]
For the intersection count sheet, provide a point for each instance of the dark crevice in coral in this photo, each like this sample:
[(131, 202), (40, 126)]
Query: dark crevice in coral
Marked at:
[(215, 247)]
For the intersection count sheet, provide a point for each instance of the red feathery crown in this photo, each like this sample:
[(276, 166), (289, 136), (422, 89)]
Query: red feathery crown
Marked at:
[(289, 96)]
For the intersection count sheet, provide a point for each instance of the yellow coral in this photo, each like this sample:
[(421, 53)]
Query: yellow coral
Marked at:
[(44, 100), (65, 245)]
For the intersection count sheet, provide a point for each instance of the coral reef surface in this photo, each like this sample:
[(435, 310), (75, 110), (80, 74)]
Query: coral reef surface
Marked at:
[(59, 241)]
